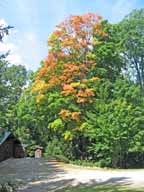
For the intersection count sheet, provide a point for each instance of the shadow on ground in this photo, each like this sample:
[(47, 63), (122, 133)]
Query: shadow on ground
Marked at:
[(40, 175), (32, 175), (100, 188), (67, 186)]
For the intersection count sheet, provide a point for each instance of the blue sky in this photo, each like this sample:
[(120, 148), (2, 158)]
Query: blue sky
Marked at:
[(34, 20)]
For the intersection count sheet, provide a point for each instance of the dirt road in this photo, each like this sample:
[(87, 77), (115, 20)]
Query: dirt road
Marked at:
[(39, 175)]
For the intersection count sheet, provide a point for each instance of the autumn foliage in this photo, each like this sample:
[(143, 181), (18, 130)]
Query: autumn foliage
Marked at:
[(68, 66), (85, 103)]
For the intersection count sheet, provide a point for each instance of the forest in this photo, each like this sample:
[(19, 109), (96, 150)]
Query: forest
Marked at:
[(85, 103)]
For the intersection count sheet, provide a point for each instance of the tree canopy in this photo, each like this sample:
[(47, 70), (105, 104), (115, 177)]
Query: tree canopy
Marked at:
[(85, 102), (12, 80), (132, 34)]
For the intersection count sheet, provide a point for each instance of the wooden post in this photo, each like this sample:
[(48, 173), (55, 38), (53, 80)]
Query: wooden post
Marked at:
[(38, 152)]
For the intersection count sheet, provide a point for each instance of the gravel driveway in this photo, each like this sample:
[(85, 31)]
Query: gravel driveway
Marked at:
[(39, 175)]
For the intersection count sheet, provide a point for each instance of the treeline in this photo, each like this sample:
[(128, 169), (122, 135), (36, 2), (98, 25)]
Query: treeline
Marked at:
[(86, 101), (12, 80)]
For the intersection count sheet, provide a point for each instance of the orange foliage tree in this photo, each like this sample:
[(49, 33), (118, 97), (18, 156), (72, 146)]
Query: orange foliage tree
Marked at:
[(68, 68)]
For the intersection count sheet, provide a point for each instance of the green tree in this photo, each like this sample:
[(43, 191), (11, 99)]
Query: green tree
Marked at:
[(115, 124), (12, 81), (132, 35), (82, 98), (107, 52)]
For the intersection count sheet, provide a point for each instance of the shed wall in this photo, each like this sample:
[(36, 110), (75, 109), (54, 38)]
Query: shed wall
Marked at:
[(11, 149), (6, 150)]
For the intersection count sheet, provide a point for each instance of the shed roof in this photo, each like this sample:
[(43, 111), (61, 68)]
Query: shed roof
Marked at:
[(6, 135)]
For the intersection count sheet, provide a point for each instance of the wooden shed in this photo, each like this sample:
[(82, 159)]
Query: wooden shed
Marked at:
[(10, 147)]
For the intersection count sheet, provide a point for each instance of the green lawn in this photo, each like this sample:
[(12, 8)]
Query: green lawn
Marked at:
[(102, 189)]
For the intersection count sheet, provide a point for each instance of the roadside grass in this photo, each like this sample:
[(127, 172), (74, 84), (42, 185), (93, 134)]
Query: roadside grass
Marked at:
[(95, 166), (103, 188), (88, 164)]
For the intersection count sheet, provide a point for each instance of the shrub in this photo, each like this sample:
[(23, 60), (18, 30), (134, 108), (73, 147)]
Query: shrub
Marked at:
[(8, 187), (61, 158), (53, 148)]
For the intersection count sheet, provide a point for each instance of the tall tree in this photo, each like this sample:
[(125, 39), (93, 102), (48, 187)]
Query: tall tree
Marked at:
[(132, 35), (66, 75), (12, 80), (80, 98), (107, 52)]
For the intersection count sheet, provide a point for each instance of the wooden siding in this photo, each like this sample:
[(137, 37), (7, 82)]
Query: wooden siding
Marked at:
[(10, 148)]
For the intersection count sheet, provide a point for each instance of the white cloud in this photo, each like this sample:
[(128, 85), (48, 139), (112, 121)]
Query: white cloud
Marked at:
[(14, 59), (29, 48), (30, 42), (24, 49), (4, 47), (3, 22)]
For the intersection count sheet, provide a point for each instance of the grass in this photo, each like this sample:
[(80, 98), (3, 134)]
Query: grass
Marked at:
[(96, 165), (103, 188)]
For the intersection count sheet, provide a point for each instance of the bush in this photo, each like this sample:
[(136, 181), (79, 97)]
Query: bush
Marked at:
[(61, 158), (88, 163), (30, 148), (54, 148), (8, 187), (57, 149)]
